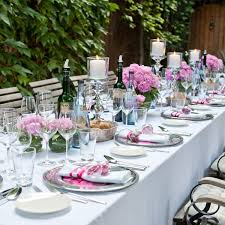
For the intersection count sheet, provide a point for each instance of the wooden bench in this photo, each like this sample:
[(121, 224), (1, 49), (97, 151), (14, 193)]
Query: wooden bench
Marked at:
[(10, 97), (55, 86)]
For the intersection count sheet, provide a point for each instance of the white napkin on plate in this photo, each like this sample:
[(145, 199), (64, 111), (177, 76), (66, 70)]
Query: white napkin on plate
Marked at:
[(182, 115), (153, 138), (114, 177)]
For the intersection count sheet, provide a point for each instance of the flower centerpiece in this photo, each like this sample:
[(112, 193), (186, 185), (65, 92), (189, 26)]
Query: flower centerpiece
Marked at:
[(36, 125), (183, 74), (32, 124), (213, 63), (145, 82)]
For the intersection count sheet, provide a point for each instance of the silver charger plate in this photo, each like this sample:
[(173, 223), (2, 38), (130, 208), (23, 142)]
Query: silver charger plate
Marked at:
[(206, 117), (173, 140), (52, 178), (216, 104)]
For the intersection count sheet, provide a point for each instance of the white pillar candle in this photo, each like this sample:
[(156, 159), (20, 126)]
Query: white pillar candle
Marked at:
[(194, 55), (97, 69), (158, 48), (174, 60)]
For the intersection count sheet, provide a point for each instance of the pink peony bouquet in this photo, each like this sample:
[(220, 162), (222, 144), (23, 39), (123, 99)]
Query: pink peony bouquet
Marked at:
[(213, 63), (32, 124), (145, 82), (184, 73)]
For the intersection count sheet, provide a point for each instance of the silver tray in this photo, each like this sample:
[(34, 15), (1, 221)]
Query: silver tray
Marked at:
[(216, 104), (174, 139), (206, 117), (52, 178)]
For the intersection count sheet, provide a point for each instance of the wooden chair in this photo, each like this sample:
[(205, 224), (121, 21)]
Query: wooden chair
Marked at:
[(10, 97)]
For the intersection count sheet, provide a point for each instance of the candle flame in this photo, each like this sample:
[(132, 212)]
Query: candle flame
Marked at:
[(174, 53), (157, 39), (97, 57)]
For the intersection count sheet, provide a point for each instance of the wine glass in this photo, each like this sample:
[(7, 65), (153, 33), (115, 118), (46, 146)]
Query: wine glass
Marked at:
[(46, 110), (9, 136), (163, 88), (67, 128), (128, 105), (48, 129), (186, 82), (89, 97), (28, 106), (23, 140), (114, 105), (195, 82), (44, 97)]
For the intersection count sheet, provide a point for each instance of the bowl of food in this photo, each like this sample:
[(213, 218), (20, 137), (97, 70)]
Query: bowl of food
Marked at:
[(106, 129)]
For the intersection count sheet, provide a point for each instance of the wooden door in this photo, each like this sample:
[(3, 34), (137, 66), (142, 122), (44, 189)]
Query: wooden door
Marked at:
[(208, 29)]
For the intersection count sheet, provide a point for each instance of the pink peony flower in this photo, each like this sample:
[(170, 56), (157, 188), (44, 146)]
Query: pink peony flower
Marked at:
[(140, 99), (184, 73), (65, 124), (213, 63)]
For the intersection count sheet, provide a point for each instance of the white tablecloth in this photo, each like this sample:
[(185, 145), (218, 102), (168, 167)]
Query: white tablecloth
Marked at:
[(157, 196)]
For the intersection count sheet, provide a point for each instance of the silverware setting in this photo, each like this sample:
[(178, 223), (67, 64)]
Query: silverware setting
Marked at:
[(10, 195), (125, 164), (73, 196), (175, 132), (146, 148)]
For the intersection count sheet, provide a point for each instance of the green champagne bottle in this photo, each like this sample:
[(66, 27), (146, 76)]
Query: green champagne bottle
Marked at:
[(119, 88), (65, 100)]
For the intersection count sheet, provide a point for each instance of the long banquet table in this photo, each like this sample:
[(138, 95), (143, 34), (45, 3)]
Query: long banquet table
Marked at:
[(159, 193)]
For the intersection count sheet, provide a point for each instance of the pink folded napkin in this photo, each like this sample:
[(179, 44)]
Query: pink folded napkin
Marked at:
[(183, 115), (139, 137), (95, 172), (201, 101)]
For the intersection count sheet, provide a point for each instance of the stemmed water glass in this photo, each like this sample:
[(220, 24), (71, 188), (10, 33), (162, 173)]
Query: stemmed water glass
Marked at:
[(44, 97), (28, 106), (8, 133), (67, 128), (114, 106), (128, 105), (186, 83), (162, 88), (50, 124), (195, 82)]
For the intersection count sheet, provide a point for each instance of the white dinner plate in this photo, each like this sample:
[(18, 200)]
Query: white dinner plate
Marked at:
[(128, 151), (200, 107), (43, 202), (175, 123)]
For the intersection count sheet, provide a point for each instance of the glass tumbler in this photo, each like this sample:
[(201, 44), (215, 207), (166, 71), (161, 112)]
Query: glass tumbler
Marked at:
[(140, 116), (87, 140), (24, 165)]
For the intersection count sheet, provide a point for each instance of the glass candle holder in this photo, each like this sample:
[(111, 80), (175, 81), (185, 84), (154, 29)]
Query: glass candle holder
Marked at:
[(174, 60), (157, 51), (97, 67), (194, 56)]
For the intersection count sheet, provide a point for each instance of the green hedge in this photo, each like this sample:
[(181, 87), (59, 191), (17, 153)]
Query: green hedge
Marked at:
[(36, 36)]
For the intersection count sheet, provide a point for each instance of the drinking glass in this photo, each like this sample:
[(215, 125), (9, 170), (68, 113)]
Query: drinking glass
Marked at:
[(47, 110), (186, 83), (128, 105), (114, 105), (24, 165), (163, 88), (180, 99), (9, 136), (28, 106), (195, 82), (44, 97), (23, 140), (87, 139), (89, 97), (140, 116), (67, 128), (48, 130)]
